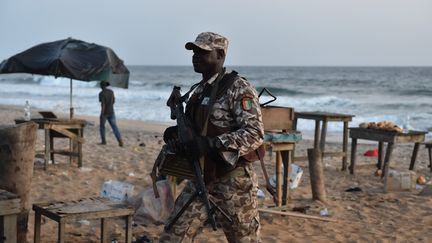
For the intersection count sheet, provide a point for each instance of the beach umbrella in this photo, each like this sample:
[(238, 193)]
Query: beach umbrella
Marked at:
[(70, 58)]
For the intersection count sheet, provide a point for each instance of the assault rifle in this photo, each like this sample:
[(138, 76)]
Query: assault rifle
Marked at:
[(186, 135)]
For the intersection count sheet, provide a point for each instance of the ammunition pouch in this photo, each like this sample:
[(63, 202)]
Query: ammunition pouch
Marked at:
[(171, 164)]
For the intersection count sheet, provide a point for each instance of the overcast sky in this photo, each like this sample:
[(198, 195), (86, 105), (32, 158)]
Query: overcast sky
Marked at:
[(265, 32)]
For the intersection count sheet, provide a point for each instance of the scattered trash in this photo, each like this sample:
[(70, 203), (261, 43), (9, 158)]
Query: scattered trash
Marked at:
[(117, 190), (400, 180), (419, 187), (427, 191), (152, 210), (371, 153), (354, 189), (39, 161), (301, 209), (260, 194), (378, 172), (84, 222), (85, 169), (421, 180), (324, 212), (294, 177), (138, 149), (142, 144), (143, 239), (131, 174)]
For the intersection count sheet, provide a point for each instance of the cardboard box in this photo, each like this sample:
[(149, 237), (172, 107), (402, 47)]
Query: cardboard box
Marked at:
[(400, 181)]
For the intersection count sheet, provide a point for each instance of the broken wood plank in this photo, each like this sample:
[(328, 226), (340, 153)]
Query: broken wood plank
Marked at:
[(299, 215)]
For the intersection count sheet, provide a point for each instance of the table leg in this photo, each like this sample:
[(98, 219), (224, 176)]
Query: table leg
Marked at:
[(9, 228), (72, 149), (387, 160), (323, 136), (286, 164), (128, 229), (52, 148), (353, 154), (414, 155), (61, 232), (430, 158), (104, 230), (37, 227), (317, 134), (380, 155), (80, 134), (47, 148), (345, 146), (279, 176)]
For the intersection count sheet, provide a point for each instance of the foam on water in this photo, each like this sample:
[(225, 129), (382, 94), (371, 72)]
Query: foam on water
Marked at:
[(371, 94)]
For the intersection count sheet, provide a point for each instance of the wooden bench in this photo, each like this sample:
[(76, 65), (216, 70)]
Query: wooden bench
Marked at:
[(84, 209), (281, 138), (61, 128), (9, 209)]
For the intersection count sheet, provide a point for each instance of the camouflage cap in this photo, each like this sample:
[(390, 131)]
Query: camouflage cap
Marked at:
[(209, 41)]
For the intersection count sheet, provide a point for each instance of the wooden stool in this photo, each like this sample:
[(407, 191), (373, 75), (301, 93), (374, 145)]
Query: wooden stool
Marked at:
[(280, 136), (428, 145), (9, 209), (92, 208)]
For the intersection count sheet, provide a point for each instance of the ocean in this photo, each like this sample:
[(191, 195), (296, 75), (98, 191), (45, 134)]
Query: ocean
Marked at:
[(399, 94)]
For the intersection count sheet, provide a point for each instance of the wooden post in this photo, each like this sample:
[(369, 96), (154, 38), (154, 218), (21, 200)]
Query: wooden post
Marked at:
[(17, 152), (317, 175), (345, 146)]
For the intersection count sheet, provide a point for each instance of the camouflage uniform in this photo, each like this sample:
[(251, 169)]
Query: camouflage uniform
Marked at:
[(234, 191)]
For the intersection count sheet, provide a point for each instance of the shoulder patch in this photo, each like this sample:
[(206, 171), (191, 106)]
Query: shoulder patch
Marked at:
[(246, 103)]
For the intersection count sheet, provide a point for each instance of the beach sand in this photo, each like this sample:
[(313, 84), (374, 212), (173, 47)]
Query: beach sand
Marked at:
[(367, 216)]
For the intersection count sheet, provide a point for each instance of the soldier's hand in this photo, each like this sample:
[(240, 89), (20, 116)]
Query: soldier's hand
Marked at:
[(170, 133), (175, 146), (202, 145)]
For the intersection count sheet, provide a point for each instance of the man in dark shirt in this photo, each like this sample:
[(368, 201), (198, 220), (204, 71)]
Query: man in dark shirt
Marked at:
[(107, 99)]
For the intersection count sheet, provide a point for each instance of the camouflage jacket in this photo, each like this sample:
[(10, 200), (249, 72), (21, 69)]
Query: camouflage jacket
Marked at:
[(237, 111)]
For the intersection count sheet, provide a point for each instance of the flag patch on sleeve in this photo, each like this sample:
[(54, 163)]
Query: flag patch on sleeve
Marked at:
[(246, 104)]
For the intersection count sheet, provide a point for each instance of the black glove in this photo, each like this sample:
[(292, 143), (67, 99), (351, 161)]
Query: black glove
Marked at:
[(202, 145), (175, 146)]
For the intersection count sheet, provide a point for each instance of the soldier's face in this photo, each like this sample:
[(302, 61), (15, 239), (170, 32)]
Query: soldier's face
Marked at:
[(203, 61)]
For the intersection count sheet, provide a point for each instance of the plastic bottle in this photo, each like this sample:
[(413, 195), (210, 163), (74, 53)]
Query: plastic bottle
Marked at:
[(27, 113)]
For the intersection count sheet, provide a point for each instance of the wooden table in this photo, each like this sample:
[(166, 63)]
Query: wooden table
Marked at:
[(283, 144), (319, 142), (382, 137), (84, 209), (61, 128), (9, 210)]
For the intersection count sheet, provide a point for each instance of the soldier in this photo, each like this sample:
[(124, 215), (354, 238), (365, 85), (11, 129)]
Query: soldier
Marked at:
[(230, 140)]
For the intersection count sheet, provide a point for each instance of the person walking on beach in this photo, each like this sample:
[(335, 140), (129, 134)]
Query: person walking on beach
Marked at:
[(234, 124), (107, 99)]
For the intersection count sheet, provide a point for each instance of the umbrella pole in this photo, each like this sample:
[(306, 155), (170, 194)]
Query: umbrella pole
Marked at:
[(71, 110)]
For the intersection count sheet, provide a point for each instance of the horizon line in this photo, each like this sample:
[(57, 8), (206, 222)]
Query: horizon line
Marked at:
[(254, 65)]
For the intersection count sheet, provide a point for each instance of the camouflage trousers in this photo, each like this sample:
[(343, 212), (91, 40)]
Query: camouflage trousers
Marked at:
[(235, 195)]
